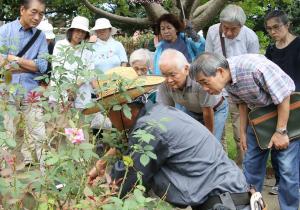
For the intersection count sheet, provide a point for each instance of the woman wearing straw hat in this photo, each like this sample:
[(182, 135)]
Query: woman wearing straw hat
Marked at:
[(109, 52), (76, 34)]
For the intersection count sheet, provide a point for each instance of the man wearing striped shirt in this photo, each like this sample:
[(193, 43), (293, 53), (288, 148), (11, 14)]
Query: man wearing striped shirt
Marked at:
[(254, 81)]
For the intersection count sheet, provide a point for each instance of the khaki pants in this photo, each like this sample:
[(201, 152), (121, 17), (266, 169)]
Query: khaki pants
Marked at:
[(28, 129), (235, 122)]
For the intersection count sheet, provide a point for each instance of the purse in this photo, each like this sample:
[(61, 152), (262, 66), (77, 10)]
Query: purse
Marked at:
[(264, 120)]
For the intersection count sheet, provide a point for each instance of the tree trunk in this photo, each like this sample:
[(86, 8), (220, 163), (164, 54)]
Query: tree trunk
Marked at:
[(212, 10)]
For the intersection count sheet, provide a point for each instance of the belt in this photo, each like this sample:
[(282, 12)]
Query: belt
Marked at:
[(218, 104), (237, 198)]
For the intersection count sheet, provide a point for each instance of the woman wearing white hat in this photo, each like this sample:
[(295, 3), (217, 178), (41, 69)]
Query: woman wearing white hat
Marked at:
[(109, 53), (78, 32)]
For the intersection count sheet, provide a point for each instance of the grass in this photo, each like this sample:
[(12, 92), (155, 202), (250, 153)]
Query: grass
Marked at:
[(231, 146)]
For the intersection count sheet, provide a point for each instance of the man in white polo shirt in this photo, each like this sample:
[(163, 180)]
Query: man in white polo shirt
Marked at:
[(230, 38)]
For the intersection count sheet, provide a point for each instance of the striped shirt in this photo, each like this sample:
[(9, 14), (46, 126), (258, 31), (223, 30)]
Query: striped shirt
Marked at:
[(257, 81)]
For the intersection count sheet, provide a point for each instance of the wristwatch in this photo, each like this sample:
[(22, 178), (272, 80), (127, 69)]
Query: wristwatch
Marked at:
[(281, 131)]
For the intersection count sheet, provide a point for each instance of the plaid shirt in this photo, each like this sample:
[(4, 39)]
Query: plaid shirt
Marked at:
[(257, 81)]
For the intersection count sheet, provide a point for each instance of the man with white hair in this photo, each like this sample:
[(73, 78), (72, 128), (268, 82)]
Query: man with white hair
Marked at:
[(229, 38), (254, 81), (179, 88)]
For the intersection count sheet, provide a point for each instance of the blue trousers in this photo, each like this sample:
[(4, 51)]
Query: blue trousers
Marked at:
[(254, 166)]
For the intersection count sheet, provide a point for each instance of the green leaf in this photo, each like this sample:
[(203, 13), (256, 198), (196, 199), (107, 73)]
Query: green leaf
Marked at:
[(148, 148), (144, 159), (130, 204), (151, 155), (52, 160), (76, 154), (117, 107), (72, 124), (11, 142), (139, 196), (86, 146), (127, 112), (43, 206), (117, 201)]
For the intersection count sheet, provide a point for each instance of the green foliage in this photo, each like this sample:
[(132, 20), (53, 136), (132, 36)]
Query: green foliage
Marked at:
[(67, 163)]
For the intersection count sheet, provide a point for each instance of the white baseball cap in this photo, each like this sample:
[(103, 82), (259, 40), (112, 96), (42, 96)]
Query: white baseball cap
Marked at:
[(80, 22), (103, 23), (47, 28)]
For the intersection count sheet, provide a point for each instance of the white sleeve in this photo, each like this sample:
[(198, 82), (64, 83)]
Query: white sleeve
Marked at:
[(209, 47)]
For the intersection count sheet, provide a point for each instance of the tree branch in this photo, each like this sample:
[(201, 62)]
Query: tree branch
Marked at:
[(187, 5), (126, 20), (210, 11), (200, 9), (196, 4), (154, 11)]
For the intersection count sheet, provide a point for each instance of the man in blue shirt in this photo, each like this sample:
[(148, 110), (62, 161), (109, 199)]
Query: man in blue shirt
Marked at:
[(24, 69)]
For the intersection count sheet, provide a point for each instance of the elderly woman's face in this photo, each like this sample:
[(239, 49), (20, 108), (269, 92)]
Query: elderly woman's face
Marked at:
[(103, 34), (230, 30), (168, 31), (77, 36), (276, 29), (140, 67)]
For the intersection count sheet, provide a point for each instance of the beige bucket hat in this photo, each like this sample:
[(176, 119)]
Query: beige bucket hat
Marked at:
[(80, 22), (103, 23)]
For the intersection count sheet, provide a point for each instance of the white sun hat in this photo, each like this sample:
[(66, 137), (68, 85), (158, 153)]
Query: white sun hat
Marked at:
[(47, 28), (80, 22), (103, 23)]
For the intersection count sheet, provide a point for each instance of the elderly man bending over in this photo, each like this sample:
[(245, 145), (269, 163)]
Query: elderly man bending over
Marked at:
[(190, 168), (180, 89), (254, 81)]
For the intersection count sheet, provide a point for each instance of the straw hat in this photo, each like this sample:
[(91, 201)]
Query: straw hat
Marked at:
[(80, 22), (132, 86), (103, 23), (47, 28)]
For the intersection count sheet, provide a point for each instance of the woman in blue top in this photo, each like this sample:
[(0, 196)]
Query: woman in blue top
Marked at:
[(171, 30)]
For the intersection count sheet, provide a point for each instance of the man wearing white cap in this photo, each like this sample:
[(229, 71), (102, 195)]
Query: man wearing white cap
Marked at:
[(109, 53)]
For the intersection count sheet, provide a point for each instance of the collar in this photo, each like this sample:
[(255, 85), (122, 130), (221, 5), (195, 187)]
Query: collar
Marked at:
[(232, 73), (143, 111), (189, 82), (20, 27), (104, 42)]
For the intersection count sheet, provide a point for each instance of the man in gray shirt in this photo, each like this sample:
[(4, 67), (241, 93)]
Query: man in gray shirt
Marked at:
[(180, 90)]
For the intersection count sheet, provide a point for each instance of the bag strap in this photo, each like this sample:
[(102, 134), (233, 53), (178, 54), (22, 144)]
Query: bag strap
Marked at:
[(29, 43), (222, 40)]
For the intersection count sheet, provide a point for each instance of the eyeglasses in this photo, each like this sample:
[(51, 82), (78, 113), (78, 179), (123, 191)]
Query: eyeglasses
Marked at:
[(275, 28)]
